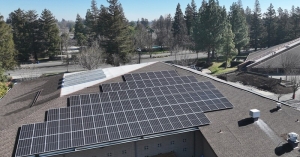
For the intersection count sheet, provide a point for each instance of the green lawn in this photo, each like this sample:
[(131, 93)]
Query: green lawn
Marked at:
[(217, 69)]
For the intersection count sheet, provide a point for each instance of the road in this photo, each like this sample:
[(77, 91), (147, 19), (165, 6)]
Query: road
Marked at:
[(36, 70)]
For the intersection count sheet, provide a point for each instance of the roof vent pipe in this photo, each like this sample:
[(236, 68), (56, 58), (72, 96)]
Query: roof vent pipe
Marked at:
[(278, 106), (293, 139), (255, 114)]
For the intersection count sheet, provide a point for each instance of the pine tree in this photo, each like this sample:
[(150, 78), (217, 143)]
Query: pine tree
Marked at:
[(256, 27), (189, 18), (89, 26), (102, 23), (179, 28), (210, 25), (49, 34), (79, 32), (32, 30), (117, 42), (7, 48), (228, 47), (194, 9), (18, 20), (145, 22), (283, 26), (239, 26), (295, 22), (270, 25), (248, 14)]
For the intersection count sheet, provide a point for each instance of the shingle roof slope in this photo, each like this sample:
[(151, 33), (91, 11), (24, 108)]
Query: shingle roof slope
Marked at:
[(276, 61), (239, 138), (15, 105)]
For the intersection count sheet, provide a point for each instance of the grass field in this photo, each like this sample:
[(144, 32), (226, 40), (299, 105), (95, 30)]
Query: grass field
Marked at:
[(217, 68)]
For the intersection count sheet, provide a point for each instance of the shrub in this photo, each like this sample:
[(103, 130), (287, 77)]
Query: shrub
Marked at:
[(3, 89)]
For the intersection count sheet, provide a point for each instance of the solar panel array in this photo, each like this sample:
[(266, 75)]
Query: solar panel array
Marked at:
[(147, 83), (120, 114), (187, 93), (150, 75), (83, 77)]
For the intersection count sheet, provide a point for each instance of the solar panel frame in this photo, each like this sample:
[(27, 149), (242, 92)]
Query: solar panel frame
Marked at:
[(124, 118)]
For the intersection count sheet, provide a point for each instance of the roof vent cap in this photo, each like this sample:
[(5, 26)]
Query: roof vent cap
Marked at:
[(293, 140), (278, 105), (255, 114), (293, 136)]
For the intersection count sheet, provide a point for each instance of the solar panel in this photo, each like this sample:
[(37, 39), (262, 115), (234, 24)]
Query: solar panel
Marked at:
[(130, 94), (147, 103), (119, 122), (140, 98), (83, 77), (150, 75), (147, 83)]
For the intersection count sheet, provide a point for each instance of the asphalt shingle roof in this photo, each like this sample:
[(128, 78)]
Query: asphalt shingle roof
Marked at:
[(238, 137), (276, 61)]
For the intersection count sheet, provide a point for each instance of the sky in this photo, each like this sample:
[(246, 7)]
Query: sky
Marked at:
[(133, 9)]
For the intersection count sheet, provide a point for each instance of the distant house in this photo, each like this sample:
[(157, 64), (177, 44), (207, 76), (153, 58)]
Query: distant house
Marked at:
[(274, 60)]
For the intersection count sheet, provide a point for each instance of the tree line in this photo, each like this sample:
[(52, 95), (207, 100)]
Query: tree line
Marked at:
[(210, 28), (34, 36)]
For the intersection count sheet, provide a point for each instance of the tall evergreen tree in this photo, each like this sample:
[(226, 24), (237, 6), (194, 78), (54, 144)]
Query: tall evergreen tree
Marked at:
[(32, 32), (270, 25), (102, 23), (145, 22), (210, 25), (228, 46), (295, 22), (117, 42), (248, 14), (18, 20), (7, 48), (79, 32), (189, 15), (194, 9), (283, 26), (179, 28), (89, 26), (239, 26), (256, 26), (49, 34)]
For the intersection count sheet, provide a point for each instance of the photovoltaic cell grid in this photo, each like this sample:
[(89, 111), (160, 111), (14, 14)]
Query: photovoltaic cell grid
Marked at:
[(83, 77), (124, 113), (202, 100), (97, 123), (156, 82), (76, 100), (150, 75)]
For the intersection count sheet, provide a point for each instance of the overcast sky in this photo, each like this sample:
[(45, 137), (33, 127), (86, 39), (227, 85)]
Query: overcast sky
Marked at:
[(134, 9)]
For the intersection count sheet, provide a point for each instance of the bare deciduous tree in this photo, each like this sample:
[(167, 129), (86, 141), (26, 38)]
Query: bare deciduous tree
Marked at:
[(289, 63), (65, 44), (295, 82), (91, 57)]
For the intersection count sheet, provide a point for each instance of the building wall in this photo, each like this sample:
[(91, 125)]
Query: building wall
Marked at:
[(203, 146), (182, 144)]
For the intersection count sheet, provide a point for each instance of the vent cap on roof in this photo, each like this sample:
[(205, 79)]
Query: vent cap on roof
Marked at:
[(293, 136), (293, 139), (278, 105), (255, 114)]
